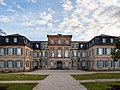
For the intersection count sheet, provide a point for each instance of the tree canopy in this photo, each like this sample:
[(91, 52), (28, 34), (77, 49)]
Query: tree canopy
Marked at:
[(116, 51)]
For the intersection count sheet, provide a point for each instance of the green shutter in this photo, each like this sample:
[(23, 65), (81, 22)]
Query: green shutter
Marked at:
[(21, 63), (5, 64), (13, 64), (97, 51)]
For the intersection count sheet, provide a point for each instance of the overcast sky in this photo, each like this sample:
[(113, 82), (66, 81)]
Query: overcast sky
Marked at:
[(83, 19)]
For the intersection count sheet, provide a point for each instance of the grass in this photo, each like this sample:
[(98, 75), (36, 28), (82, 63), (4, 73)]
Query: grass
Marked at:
[(11, 77), (19, 86), (100, 85), (97, 76)]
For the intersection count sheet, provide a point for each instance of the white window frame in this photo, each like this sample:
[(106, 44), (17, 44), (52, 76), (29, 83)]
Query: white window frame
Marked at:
[(18, 64), (2, 63), (2, 51), (52, 64), (67, 42), (111, 40), (10, 51), (19, 51), (100, 51), (15, 39), (6, 39), (59, 53), (108, 51), (66, 64), (52, 53), (103, 40), (10, 64)]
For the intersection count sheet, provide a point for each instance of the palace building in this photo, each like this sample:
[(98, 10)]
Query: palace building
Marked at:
[(18, 53)]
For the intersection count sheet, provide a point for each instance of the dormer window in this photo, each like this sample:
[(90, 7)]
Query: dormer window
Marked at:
[(6, 39), (59, 41), (111, 40), (37, 45), (81, 46), (15, 39), (52, 41), (103, 40), (67, 42)]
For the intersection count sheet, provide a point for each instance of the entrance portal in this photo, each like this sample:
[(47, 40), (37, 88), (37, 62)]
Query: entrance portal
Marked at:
[(59, 65)]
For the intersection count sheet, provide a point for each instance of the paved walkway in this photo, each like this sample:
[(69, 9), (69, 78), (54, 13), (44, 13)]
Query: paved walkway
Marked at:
[(59, 81)]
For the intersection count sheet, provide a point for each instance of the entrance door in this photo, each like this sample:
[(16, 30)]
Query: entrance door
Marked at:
[(59, 65)]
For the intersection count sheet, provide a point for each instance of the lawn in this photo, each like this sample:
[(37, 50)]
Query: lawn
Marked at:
[(97, 76), (100, 85), (10, 77), (19, 86)]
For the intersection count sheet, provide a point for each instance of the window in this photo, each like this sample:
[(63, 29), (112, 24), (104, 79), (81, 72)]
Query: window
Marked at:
[(2, 51), (52, 41), (59, 53), (19, 51), (15, 39), (100, 63), (83, 63), (52, 64), (74, 62), (82, 54), (6, 39), (37, 45), (43, 63), (10, 51), (92, 52), (45, 53), (108, 64), (27, 52), (111, 40), (35, 54), (19, 64), (78, 54), (116, 64), (74, 53), (109, 51), (59, 42), (66, 64), (66, 53), (10, 64), (99, 51), (27, 63), (103, 40), (74, 45), (67, 42), (35, 63), (52, 53), (2, 64), (81, 46)]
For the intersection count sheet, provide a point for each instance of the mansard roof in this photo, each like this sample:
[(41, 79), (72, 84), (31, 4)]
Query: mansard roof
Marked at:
[(104, 35), (59, 35), (15, 35)]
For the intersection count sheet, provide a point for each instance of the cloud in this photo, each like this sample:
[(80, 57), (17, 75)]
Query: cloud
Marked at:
[(88, 18), (67, 5), (33, 1), (5, 19), (2, 2)]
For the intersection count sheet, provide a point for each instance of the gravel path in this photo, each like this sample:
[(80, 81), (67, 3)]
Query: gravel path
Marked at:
[(59, 81)]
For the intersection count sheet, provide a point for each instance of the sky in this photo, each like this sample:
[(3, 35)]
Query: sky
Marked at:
[(84, 19)]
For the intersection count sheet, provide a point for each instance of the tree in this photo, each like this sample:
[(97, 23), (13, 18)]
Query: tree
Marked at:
[(2, 32), (116, 51)]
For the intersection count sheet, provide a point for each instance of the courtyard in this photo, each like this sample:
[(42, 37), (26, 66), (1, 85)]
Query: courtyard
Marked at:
[(62, 80)]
